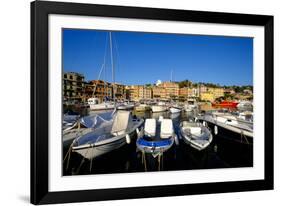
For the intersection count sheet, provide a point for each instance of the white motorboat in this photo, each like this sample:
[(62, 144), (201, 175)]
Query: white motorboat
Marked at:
[(246, 115), (84, 125), (156, 137), (108, 136), (142, 108), (175, 109), (230, 126), (160, 107), (96, 105), (196, 135), (187, 108), (69, 119), (245, 105), (190, 106), (126, 106)]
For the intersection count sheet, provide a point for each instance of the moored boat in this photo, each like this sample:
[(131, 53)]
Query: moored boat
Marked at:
[(196, 135), (225, 104), (142, 108), (160, 107), (245, 105), (157, 136), (85, 125), (69, 119), (126, 106), (95, 104), (229, 126), (108, 136), (175, 109)]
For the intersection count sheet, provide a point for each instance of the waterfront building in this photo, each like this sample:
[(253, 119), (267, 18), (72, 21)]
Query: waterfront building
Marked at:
[(193, 92), (203, 88), (171, 89), (212, 94), (120, 92), (217, 92), (207, 96), (73, 86), (183, 93), (248, 91), (158, 92), (138, 92), (132, 92), (144, 92), (99, 89), (229, 91)]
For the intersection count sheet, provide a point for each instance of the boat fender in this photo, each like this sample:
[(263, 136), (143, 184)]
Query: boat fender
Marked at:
[(216, 148), (204, 123), (216, 131), (195, 119), (128, 139), (177, 140), (137, 131)]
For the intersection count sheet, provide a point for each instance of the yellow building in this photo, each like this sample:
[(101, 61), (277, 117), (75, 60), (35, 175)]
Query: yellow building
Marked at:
[(207, 96), (158, 92), (132, 92), (138, 92), (144, 92), (193, 92), (217, 92)]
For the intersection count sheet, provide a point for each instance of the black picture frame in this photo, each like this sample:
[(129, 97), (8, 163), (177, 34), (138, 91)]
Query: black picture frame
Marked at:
[(39, 101)]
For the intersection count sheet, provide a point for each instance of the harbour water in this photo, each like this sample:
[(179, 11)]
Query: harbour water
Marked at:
[(221, 153)]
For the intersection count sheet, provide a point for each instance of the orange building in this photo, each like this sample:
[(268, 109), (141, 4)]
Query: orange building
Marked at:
[(171, 89), (183, 93)]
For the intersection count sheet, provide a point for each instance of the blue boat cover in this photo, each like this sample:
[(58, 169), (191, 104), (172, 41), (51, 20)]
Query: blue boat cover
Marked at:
[(160, 143)]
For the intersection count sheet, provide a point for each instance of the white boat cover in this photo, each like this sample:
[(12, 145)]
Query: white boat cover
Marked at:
[(167, 129), (121, 122), (150, 127), (195, 130), (96, 120)]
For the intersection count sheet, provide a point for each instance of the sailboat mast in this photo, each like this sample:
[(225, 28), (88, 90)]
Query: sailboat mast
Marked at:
[(112, 66)]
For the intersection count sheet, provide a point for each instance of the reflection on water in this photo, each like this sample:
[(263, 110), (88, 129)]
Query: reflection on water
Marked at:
[(220, 154)]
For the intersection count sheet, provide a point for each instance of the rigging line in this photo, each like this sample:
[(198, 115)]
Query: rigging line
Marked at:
[(112, 67), (104, 62), (117, 52), (117, 63), (102, 66)]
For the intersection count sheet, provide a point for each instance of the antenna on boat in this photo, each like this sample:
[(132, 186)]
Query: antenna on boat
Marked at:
[(112, 67), (171, 76)]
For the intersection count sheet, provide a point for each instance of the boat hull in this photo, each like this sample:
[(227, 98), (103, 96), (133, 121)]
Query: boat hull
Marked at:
[(232, 136), (175, 110), (156, 108), (154, 147), (225, 104), (125, 107), (200, 142), (142, 108), (229, 133), (96, 151), (102, 107)]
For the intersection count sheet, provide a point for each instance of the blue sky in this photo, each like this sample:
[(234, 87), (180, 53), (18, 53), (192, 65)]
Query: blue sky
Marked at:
[(142, 58)]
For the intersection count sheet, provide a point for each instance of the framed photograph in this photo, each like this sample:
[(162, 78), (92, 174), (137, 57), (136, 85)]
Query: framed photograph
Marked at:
[(133, 102)]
